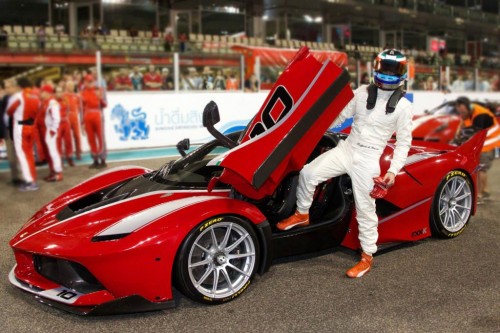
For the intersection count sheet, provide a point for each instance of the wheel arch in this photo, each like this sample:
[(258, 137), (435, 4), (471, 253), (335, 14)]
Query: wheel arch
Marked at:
[(242, 210), (474, 191)]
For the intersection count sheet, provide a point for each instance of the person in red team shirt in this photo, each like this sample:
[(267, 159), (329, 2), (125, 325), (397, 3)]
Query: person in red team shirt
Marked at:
[(51, 112), (152, 79), (74, 102), (22, 108), (64, 133), (93, 102), (123, 81)]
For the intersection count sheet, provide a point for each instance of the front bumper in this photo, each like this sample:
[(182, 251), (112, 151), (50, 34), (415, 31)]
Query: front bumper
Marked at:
[(64, 298)]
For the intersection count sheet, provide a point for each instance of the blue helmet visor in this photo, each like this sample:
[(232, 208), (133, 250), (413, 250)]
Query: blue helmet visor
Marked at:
[(389, 67), (387, 79)]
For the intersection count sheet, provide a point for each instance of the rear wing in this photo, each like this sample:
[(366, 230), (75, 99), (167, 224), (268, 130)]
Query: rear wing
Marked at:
[(471, 149)]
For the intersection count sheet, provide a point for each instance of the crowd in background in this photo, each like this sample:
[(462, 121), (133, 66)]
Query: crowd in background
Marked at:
[(459, 83), (190, 79), (181, 43)]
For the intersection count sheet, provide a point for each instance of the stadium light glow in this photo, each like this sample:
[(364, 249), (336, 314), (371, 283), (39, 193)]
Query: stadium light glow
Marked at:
[(310, 19), (114, 1)]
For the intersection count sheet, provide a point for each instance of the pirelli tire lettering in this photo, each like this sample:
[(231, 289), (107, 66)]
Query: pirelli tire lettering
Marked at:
[(230, 298), (209, 223), (218, 260), (456, 173), (455, 234), (452, 205)]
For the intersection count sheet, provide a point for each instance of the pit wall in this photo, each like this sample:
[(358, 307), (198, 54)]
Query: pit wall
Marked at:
[(159, 119)]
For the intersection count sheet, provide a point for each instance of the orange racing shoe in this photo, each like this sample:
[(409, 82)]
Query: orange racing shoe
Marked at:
[(295, 220), (362, 267)]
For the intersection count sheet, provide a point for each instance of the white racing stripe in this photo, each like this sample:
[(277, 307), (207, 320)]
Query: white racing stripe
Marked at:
[(419, 121), (390, 217), (419, 157), (136, 221), (118, 168), (91, 211), (165, 193)]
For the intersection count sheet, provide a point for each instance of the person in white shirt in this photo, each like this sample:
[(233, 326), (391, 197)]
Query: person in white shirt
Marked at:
[(458, 84), (378, 110), (52, 118)]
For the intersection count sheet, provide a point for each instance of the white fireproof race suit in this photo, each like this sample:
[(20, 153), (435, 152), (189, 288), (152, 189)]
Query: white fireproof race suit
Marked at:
[(359, 157)]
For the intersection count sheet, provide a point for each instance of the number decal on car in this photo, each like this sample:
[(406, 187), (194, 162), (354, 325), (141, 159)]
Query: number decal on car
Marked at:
[(66, 294), (62, 294), (268, 118)]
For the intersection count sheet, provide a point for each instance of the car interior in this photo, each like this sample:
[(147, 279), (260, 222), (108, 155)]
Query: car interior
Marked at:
[(332, 199)]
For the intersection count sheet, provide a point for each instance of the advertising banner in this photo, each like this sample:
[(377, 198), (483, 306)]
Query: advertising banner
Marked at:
[(154, 119), (144, 119)]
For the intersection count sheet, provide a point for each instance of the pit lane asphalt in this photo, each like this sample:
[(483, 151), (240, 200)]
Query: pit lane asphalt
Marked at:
[(429, 286)]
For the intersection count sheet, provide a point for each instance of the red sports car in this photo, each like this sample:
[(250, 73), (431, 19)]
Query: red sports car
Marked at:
[(441, 123), (205, 223)]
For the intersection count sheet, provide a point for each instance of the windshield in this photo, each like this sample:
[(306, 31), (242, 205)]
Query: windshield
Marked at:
[(448, 109), (192, 170)]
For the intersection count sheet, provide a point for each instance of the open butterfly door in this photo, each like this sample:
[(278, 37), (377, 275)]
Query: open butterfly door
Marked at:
[(300, 107)]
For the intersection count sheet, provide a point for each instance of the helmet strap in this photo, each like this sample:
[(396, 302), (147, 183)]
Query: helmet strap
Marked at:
[(391, 103), (372, 96), (394, 100)]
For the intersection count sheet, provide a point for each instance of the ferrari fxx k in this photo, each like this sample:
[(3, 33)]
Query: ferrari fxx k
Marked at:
[(205, 223)]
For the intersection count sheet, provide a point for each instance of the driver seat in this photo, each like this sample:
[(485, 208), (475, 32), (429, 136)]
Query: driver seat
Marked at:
[(282, 204)]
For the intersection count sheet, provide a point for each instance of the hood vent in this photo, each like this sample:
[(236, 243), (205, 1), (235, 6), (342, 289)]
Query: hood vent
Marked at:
[(92, 201)]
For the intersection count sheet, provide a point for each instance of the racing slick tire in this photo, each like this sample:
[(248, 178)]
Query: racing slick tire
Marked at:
[(452, 205), (218, 260)]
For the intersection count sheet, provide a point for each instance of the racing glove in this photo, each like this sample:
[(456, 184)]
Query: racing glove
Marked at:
[(380, 188)]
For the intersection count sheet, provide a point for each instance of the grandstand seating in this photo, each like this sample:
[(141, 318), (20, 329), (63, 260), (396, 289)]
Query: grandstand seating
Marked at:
[(24, 38)]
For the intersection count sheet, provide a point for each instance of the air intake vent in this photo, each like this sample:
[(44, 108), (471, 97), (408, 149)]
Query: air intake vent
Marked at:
[(67, 273)]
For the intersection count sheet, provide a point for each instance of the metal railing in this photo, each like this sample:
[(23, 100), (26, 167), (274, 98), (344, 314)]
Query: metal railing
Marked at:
[(431, 7)]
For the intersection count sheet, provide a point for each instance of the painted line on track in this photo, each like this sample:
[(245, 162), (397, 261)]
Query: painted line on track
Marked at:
[(121, 156)]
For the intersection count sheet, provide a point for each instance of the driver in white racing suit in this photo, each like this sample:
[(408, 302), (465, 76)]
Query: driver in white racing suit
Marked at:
[(379, 111)]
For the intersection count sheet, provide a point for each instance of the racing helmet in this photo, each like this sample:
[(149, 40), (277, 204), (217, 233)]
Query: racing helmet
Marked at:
[(389, 69)]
